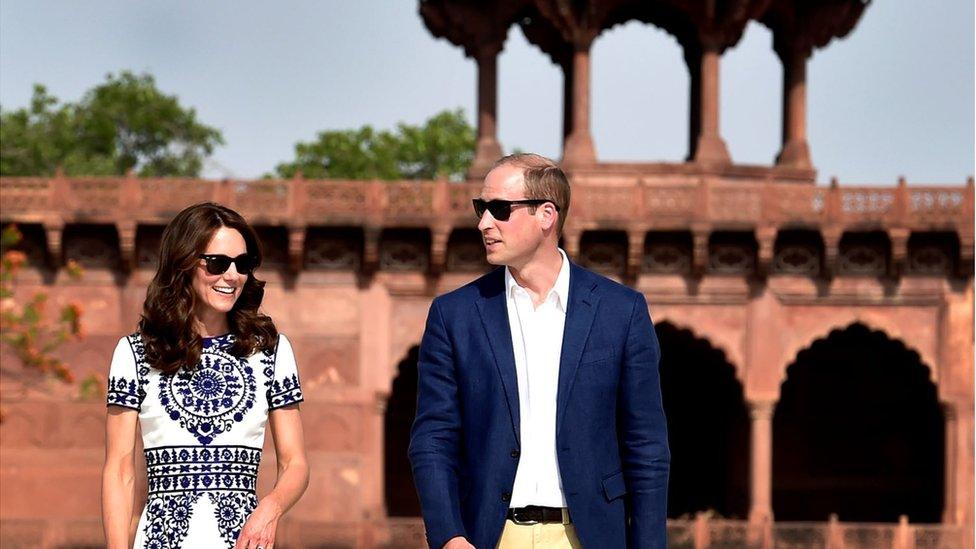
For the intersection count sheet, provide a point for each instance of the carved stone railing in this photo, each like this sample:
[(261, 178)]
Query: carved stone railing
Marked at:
[(629, 202)]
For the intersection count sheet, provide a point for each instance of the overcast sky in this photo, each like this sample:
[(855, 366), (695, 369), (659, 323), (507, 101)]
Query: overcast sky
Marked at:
[(893, 98)]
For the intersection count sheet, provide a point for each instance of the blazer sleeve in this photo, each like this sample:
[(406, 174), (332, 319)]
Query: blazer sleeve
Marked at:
[(435, 437), (643, 433)]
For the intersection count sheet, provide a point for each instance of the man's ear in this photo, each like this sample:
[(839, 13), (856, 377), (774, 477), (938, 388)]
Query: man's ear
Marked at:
[(549, 215)]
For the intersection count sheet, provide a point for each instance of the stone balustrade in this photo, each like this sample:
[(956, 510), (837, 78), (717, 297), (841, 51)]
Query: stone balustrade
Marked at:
[(624, 211)]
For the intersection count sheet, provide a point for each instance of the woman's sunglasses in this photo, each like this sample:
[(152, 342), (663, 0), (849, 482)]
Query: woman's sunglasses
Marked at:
[(501, 210), (219, 263)]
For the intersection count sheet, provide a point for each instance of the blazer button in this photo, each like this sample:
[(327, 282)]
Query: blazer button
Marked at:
[(507, 496), (515, 454)]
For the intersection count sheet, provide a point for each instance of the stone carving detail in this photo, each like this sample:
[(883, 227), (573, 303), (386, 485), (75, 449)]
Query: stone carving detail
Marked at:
[(148, 239), (461, 195), (22, 194), (670, 200), (735, 204), (333, 251), (411, 198), (863, 258), (404, 251), (667, 254), (731, 258), (862, 202), (261, 197), (96, 195), (93, 247), (330, 197), (466, 252), (173, 195), (937, 205), (929, 259), (801, 203), (604, 253), (802, 259), (607, 202)]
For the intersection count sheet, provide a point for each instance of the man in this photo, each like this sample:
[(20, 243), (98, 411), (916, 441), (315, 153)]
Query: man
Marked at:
[(539, 418)]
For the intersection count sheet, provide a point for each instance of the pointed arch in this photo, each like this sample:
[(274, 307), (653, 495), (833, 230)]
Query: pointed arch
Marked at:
[(858, 431), (721, 341), (708, 426), (889, 324)]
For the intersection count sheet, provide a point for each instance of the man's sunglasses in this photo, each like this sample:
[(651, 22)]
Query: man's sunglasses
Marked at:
[(219, 263), (501, 210)]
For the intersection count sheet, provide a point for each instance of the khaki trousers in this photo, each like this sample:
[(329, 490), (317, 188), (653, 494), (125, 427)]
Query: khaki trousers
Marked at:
[(539, 536)]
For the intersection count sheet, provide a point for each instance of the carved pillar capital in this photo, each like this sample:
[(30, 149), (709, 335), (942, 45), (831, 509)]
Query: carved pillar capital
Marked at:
[(296, 248), (635, 252), (127, 244), (766, 237), (439, 235), (54, 230)]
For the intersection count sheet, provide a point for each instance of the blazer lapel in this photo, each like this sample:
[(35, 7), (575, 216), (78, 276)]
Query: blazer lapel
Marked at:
[(579, 319), (494, 316)]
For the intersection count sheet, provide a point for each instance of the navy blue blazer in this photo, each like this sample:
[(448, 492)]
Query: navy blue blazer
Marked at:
[(611, 435)]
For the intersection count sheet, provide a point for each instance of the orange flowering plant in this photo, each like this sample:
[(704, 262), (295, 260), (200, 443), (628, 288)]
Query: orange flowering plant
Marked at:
[(26, 327)]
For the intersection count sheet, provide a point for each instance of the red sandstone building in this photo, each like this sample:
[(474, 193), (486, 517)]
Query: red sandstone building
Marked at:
[(817, 342)]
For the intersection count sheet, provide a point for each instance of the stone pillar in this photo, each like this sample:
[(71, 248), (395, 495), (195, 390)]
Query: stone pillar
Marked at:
[(578, 147), (796, 151), (761, 471), (707, 145), (487, 149), (951, 449)]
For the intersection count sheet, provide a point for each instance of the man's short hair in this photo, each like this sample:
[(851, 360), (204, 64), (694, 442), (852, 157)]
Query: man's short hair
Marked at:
[(542, 179)]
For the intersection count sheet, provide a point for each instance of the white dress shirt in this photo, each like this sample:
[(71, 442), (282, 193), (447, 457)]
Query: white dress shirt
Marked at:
[(537, 339)]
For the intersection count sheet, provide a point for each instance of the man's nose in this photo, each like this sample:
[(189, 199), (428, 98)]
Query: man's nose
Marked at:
[(486, 221)]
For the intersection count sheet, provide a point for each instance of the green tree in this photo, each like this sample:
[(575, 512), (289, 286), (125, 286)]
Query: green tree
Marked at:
[(443, 147), (123, 124)]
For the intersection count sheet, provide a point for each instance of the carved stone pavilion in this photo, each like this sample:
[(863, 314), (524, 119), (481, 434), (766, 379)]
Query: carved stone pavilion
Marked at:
[(817, 341)]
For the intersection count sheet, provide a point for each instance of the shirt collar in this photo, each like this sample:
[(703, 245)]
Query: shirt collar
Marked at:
[(560, 288)]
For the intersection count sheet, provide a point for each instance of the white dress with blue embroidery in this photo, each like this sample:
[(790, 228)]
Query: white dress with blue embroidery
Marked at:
[(203, 431)]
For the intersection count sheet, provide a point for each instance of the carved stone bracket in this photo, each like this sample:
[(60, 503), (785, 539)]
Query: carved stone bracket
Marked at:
[(54, 231), (766, 237), (899, 250), (296, 248), (127, 244), (438, 249), (699, 251)]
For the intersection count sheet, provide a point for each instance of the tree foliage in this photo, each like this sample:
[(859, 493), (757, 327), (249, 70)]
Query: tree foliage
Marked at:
[(443, 147), (26, 325), (123, 124)]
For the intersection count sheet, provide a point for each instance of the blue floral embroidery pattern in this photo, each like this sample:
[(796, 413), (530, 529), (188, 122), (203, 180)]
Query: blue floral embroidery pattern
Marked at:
[(282, 392), (179, 475), (232, 510), (168, 519), (179, 469), (207, 400), (125, 391)]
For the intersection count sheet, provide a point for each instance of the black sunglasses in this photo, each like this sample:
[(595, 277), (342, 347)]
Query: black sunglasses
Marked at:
[(219, 263), (501, 210)]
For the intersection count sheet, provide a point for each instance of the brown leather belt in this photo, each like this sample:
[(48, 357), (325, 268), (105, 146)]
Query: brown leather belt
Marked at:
[(534, 514)]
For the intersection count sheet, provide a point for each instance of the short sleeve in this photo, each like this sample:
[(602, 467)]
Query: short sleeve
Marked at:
[(285, 387), (124, 387)]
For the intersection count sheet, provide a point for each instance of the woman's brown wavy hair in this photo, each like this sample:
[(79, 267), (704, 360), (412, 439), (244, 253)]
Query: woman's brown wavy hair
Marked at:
[(167, 328)]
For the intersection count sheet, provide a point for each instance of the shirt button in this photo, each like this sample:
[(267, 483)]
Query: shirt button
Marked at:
[(515, 454), (506, 496)]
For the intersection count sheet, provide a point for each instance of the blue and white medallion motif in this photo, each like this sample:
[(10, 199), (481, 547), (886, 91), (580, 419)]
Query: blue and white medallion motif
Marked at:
[(207, 400)]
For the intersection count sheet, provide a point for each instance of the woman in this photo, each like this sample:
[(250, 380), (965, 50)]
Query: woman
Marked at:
[(203, 375)]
